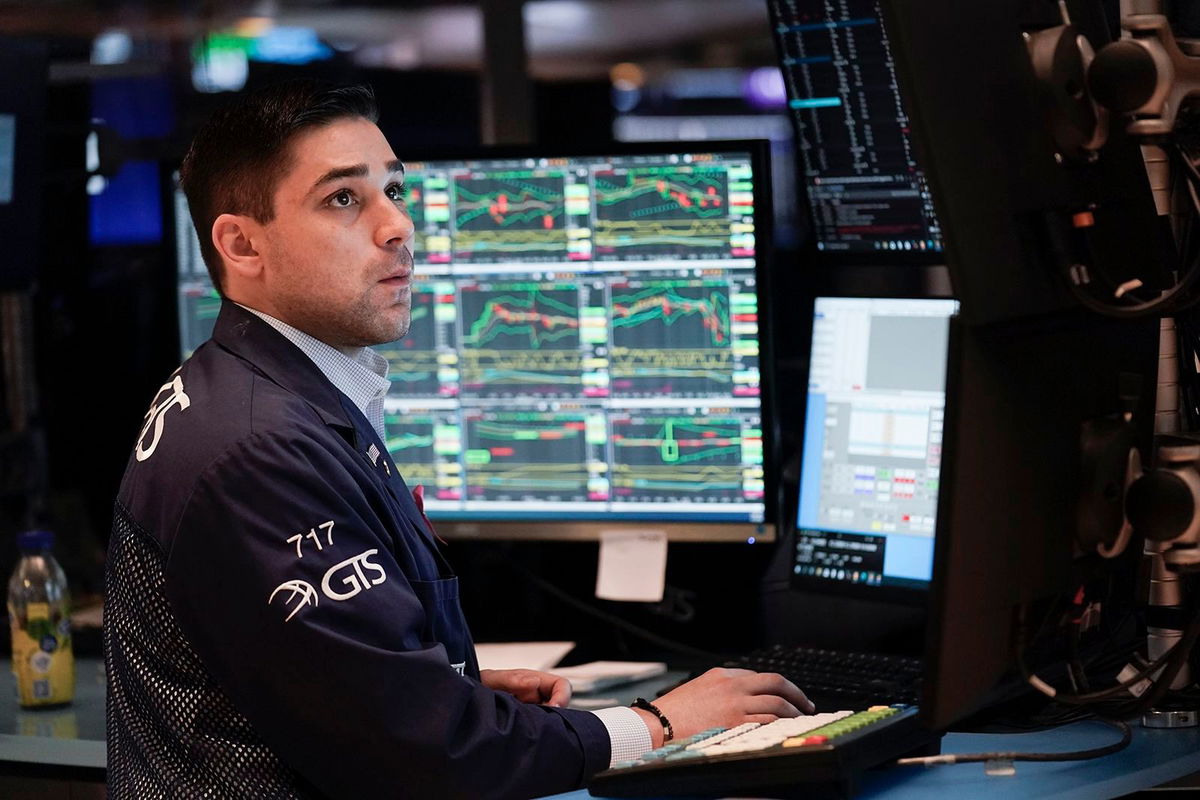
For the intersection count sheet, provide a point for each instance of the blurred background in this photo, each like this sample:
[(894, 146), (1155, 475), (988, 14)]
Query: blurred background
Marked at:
[(109, 94)]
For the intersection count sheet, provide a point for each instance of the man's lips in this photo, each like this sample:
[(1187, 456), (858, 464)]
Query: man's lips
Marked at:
[(403, 275), (399, 279)]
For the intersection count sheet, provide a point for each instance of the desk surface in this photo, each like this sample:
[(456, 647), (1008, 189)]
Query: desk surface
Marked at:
[(72, 740), (1154, 757)]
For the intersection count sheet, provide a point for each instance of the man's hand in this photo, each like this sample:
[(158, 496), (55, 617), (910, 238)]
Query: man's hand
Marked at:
[(725, 698), (529, 686)]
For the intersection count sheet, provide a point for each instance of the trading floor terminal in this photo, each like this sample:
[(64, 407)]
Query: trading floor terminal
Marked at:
[(944, 452)]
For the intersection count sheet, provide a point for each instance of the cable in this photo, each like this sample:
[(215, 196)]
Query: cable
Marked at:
[(1073, 755), (1170, 662), (1179, 658), (1165, 303)]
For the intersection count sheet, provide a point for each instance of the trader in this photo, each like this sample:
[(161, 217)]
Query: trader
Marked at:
[(279, 619)]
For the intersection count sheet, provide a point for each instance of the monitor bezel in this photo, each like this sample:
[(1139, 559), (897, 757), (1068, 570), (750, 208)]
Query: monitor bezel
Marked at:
[(473, 526), (790, 494)]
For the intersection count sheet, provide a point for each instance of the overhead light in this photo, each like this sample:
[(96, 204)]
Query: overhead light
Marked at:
[(627, 75), (220, 63), (289, 45), (113, 46), (764, 88), (253, 27)]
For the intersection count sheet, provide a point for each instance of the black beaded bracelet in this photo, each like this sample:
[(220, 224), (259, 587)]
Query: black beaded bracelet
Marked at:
[(642, 703)]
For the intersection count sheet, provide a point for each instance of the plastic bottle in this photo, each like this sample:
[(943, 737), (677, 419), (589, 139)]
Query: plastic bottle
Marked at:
[(38, 612)]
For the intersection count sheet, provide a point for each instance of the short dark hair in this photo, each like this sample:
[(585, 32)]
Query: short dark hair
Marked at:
[(239, 155)]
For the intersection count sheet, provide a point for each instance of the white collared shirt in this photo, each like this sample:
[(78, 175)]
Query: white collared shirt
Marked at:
[(357, 372)]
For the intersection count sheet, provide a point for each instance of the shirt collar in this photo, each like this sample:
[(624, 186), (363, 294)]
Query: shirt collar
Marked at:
[(357, 372)]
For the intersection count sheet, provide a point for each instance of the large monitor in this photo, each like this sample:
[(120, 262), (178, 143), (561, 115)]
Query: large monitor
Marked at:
[(587, 347), (868, 198), (871, 461)]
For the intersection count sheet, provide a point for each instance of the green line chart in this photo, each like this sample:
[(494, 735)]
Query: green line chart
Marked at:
[(500, 373), (523, 455), (671, 337), (410, 441), (521, 338), (677, 456), (645, 212), (507, 215), (524, 317)]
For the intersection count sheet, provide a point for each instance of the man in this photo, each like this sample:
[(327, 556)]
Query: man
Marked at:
[(279, 619)]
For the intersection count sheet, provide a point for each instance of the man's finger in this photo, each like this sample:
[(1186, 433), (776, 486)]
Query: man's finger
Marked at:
[(771, 704), (560, 693), (776, 684)]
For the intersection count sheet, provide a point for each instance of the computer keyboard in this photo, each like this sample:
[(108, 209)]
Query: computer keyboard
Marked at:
[(840, 679), (810, 756)]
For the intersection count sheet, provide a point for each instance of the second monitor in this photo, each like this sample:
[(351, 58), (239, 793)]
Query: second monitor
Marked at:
[(871, 461)]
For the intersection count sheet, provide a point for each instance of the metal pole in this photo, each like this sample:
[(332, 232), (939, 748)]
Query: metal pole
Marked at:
[(507, 91)]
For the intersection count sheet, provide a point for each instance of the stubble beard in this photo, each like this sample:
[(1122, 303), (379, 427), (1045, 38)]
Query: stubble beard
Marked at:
[(365, 323)]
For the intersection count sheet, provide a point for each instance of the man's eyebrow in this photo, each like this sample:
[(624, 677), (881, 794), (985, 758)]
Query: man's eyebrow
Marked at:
[(355, 171), (337, 173)]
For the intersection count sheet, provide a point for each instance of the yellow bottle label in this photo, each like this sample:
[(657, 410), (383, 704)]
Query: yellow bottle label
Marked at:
[(42, 661)]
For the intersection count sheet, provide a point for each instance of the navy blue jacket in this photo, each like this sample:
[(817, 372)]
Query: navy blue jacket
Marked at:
[(313, 597)]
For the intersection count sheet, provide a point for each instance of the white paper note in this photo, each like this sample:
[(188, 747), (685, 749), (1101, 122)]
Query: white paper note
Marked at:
[(521, 655), (633, 565)]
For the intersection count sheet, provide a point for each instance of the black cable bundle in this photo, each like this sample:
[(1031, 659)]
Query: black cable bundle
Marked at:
[(1088, 286)]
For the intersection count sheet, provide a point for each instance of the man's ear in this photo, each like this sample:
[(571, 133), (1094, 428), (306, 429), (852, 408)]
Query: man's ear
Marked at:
[(235, 236)]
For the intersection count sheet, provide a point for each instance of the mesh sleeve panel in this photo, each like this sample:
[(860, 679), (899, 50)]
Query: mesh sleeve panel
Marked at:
[(171, 731)]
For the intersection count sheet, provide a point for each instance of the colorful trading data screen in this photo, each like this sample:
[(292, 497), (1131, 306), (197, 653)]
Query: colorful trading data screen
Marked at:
[(584, 339), (865, 189)]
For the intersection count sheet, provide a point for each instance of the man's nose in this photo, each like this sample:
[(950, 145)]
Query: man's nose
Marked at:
[(395, 225)]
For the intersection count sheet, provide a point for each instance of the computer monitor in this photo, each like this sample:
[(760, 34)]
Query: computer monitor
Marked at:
[(587, 348), (869, 202), (1012, 487), (870, 465), (1029, 368)]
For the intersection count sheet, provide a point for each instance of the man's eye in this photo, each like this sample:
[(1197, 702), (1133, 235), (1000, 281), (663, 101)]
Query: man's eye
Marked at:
[(342, 199), (396, 191)]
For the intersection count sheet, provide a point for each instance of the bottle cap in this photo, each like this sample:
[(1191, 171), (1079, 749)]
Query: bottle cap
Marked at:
[(35, 540)]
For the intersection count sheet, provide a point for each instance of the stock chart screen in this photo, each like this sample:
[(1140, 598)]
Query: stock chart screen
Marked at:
[(584, 339)]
